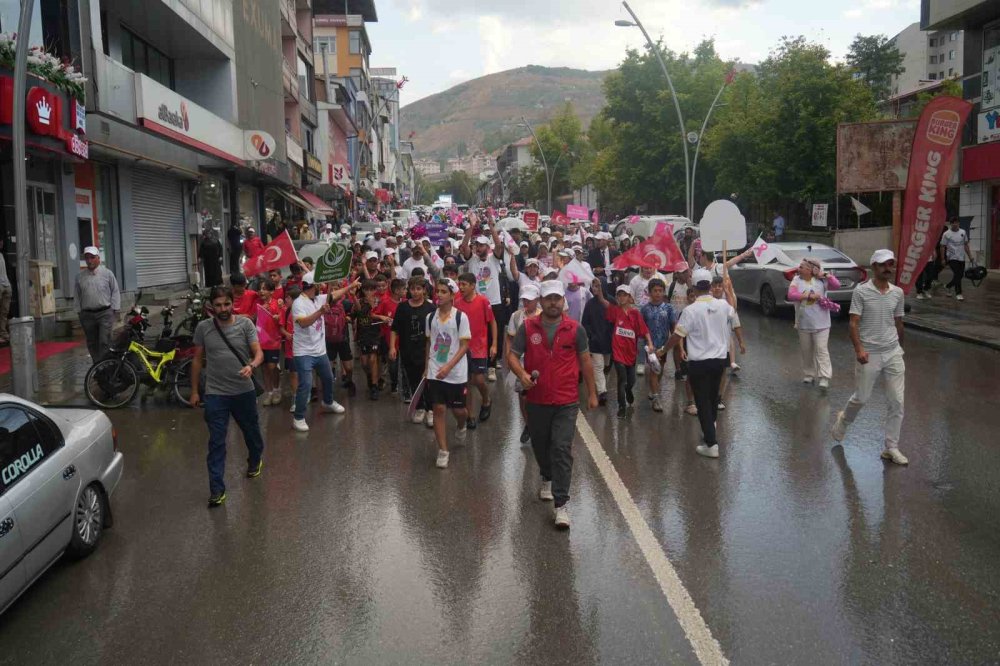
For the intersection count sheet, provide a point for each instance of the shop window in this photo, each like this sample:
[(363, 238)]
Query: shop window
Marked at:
[(140, 56)]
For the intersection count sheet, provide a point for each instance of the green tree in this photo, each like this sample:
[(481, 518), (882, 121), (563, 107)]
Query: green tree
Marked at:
[(950, 87), (875, 59), (564, 144), (461, 186)]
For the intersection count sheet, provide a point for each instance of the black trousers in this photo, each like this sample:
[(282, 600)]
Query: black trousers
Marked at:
[(958, 272), (626, 382), (551, 428), (413, 371), (927, 276), (500, 314), (706, 377)]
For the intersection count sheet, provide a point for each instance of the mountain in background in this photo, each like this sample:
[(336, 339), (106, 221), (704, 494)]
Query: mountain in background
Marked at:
[(482, 114)]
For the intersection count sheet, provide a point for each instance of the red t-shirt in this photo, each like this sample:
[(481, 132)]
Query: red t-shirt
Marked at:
[(628, 327), (480, 315), (289, 326), (270, 326), (246, 304), (387, 307)]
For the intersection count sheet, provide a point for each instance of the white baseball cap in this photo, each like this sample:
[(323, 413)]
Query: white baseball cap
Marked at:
[(545, 230), (700, 277), (371, 254), (530, 292), (452, 285), (882, 256), (623, 287), (552, 288), (309, 278), (481, 240), (90, 249)]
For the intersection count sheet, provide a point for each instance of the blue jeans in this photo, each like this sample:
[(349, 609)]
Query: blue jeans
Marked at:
[(304, 366), (218, 409)]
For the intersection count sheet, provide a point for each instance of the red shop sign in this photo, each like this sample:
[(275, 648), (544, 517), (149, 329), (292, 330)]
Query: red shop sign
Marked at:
[(44, 115)]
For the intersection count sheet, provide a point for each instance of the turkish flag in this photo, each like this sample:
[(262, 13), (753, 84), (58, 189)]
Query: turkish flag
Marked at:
[(277, 254), (659, 252), (559, 217)]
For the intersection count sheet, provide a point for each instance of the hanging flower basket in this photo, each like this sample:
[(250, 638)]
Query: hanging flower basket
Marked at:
[(63, 75)]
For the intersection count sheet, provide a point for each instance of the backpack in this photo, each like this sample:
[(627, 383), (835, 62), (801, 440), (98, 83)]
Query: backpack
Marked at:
[(335, 323)]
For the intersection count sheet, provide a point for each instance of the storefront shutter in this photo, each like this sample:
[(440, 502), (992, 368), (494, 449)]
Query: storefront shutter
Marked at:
[(160, 236)]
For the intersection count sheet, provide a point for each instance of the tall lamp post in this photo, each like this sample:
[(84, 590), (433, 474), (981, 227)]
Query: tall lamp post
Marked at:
[(545, 163)]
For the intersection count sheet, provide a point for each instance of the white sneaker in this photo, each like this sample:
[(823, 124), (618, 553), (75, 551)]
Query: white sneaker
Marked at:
[(839, 428), (735, 367), (334, 408), (920, 297), (419, 416), (429, 419), (928, 296), (562, 517), (895, 455), (807, 380), (491, 375), (960, 298), (461, 433), (545, 492), (291, 409), (824, 383), (276, 397), (300, 425), (267, 398), (640, 369), (708, 451), (692, 409), (442, 460)]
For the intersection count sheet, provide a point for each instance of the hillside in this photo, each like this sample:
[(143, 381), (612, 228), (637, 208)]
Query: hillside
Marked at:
[(480, 114)]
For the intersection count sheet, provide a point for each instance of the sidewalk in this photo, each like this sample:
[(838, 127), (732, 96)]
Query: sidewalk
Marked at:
[(976, 320), (60, 377)]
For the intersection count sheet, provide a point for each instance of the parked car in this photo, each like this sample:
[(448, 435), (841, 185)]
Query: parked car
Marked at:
[(58, 470), (767, 284), (400, 216), (647, 224)]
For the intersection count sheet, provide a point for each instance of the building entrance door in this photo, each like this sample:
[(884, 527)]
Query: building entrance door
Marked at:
[(45, 241)]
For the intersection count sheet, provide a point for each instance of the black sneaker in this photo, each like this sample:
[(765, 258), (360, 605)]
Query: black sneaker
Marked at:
[(621, 411), (602, 399), (216, 499), (254, 471), (352, 389), (629, 396), (680, 376), (485, 411), (525, 437), (373, 393), (393, 389), (471, 424)]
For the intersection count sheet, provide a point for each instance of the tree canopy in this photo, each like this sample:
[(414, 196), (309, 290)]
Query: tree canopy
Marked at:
[(875, 59)]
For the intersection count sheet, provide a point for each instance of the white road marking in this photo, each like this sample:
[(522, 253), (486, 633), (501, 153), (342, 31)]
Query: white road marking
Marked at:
[(704, 645)]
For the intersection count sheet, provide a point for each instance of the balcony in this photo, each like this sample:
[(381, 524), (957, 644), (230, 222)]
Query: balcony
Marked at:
[(289, 24), (116, 88), (290, 82), (305, 46)]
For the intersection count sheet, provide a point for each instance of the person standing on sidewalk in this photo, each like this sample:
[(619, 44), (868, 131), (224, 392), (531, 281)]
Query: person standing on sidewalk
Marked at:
[(877, 335), (6, 293), (705, 326), (555, 355), (99, 300), (955, 248), (229, 345)]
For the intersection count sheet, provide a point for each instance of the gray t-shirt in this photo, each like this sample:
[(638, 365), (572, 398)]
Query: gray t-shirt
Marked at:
[(519, 343), (222, 365), (878, 313)]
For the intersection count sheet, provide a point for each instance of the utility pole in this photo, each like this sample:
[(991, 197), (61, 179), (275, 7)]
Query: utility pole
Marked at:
[(22, 328), (545, 163)]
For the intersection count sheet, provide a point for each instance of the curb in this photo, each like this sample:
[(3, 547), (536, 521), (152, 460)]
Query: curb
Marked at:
[(949, 334)]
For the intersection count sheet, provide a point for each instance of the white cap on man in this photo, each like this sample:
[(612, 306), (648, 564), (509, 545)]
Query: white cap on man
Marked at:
[(702, 278), (371, 254), (882, 256), (530, 292), (552, 288), (481, 240), (92, 251), (309, 279)]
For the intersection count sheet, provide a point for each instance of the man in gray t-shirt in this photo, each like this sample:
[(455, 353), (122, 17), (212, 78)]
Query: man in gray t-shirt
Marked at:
[(229, 390)]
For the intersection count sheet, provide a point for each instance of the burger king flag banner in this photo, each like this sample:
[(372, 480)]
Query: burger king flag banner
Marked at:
[(935, 144), (277, 254)]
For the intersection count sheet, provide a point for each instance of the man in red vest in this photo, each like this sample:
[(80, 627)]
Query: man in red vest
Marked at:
[(555, 354)]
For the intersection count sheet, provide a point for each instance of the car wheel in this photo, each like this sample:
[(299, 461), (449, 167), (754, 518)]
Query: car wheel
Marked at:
[(88, 521), (768, 303)]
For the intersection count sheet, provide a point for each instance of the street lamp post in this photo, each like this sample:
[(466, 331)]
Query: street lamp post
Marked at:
[(545, 163), (697, 148)]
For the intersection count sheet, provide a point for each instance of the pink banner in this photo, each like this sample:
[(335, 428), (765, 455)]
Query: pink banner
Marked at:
[(577, 212)]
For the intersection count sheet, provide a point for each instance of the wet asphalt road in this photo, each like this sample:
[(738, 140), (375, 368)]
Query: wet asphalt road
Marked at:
[(353, 548)]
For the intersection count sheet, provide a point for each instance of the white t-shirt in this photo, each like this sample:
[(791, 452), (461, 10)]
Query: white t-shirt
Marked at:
[(638, 288), (523, 279), (706, 325), (412, 263), (311, 340), (954, 245), (446, 337), (487, 276), (811, 317), (679, 299)]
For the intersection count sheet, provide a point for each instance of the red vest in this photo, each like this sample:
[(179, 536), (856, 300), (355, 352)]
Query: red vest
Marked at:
[(558, 366)]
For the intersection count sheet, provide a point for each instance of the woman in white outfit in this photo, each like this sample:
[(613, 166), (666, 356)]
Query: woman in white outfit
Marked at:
[(809, 289)]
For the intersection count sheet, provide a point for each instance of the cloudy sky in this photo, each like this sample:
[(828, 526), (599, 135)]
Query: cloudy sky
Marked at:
[(440, 43)]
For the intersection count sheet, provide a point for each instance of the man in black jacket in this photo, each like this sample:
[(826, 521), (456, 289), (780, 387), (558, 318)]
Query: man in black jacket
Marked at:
[(600, 258)]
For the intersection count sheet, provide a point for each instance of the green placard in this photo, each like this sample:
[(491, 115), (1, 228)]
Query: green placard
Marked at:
[(334, 264)]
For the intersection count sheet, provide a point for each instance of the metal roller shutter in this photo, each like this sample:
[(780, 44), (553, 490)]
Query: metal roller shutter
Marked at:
[(160, 236)]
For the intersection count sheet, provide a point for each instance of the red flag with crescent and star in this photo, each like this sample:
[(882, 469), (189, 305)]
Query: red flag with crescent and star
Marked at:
[(660, 252), (277, 254)]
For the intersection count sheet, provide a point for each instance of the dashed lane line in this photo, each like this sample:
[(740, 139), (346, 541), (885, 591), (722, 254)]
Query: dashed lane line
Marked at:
[(704, 645)]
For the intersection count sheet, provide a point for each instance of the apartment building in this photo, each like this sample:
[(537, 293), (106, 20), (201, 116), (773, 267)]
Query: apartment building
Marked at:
[(928, 56)]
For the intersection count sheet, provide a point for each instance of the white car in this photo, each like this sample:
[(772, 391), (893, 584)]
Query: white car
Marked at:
[(58, 470)]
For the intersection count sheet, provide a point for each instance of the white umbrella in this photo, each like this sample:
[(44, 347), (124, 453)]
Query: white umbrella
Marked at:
[(511, 223)]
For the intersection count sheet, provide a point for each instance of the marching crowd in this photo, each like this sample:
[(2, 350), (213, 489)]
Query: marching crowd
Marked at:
[(431, 322)]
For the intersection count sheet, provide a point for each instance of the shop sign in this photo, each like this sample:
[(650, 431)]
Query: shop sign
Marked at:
[(294, 151), (84, 204), (339, 175), (991, 78), (258, 145), (313, 166), (989, 126), (44, 115), (820, 214)]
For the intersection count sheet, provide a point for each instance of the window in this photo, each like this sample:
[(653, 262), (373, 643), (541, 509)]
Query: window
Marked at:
[(953, 36), (951, 70), (355, 42), (933, 42), (941, 74), (307, 138), (306, 85), (356, 76), (328, 42), (25, 440), (932, 76), (933, 59), (951, 54), (139, 56)]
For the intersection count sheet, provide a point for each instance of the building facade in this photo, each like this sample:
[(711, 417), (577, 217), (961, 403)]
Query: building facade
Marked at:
[(929, 56)]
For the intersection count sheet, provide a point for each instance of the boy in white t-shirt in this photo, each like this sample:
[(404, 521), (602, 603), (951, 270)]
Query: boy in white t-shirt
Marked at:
[(448, 336)]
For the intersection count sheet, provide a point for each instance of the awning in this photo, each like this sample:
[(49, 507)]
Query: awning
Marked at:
[(981, 162), (295, 200), (320, 206)]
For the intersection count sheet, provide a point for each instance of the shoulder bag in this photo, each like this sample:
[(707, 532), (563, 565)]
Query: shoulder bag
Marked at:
[(257, 386)]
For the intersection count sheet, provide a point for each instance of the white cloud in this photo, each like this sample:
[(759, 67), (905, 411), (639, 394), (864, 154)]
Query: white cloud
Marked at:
[(415, 13), (854, 13), (459, 74), (496, 40)]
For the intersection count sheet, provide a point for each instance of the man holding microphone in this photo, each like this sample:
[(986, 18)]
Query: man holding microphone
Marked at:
[(555, 354)]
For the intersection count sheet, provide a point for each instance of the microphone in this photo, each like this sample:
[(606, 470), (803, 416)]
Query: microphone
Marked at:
[(534, 375)]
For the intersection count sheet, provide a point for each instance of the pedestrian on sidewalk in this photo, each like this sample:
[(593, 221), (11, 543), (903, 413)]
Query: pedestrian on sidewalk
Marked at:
[(253, 246), (627, 333), (660, 319), (228, 344), (555, 355), (448, 338), (408, 344), (877, 335), (6, 293), (808, 291), (309, 349), (705, 326), (483, 326), (99, 301), (595, 323), (954, 249)]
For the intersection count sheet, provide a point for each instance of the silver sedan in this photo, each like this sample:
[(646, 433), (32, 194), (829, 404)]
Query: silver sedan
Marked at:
[(767, 284), (58, 469)]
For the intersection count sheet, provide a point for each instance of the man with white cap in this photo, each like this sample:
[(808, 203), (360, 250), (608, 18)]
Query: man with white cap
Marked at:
[(705, 326), (98, 301), (600, 258), (309, 349), (876, 330), (555, 354), (370, 265), (327, 234)]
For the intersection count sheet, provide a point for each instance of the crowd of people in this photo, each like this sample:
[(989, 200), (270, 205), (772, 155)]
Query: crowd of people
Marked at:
[(430, 322)]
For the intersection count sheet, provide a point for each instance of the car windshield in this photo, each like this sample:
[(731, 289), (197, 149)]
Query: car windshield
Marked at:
[(826, 255)]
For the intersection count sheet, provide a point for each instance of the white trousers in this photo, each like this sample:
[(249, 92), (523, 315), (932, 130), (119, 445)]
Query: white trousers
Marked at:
[(891, 366), (600, 361), (815, 355)]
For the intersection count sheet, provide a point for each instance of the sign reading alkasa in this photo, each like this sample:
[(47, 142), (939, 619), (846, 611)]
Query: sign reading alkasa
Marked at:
[(51, 118)]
